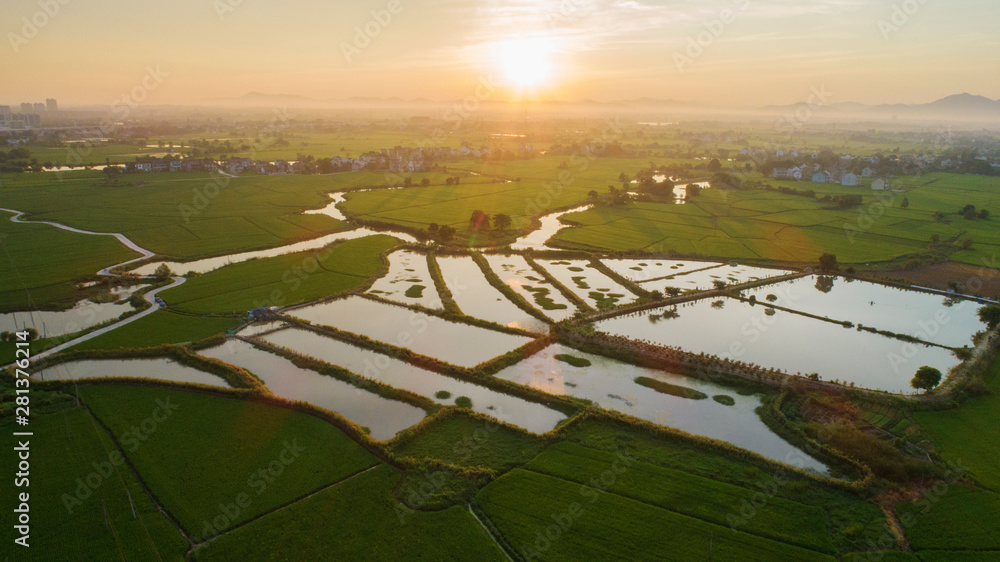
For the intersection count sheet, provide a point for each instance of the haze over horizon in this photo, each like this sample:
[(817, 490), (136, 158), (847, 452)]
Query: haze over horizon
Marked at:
[(733, 52)]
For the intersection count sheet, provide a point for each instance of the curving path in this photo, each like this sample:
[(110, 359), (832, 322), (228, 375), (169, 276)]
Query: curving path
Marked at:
[(149, 296)]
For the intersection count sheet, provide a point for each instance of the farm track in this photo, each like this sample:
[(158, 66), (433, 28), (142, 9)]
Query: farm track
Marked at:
[(125, 241)]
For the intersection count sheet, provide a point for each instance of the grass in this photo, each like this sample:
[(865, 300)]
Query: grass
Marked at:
[(724, 399), (578, 522), (680, 492), (38, 262), (283, 280), (68, 450), (968, 434), (357, 519), (854, 523), (181, 215), (467, 441), (573, 360), (221, 450), (415, 291), (672, 389), (159, 328), (959, 518), (774, 226)]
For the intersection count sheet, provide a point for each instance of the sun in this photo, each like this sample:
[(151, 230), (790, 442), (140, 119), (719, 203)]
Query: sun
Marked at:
[(525, 63)]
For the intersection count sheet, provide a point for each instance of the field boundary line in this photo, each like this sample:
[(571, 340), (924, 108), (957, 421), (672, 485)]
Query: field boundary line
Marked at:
[(489, 533)]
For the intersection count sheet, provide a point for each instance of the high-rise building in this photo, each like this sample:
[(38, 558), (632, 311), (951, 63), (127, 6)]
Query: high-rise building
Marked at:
[(39, 108), (25, 108), (5, 112), (50, 105)]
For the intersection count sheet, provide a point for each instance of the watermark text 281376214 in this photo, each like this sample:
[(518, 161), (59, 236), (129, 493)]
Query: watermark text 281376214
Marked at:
[(22, 401)]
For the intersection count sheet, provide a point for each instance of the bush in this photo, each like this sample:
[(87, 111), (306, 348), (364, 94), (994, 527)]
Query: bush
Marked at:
[(463, 402)]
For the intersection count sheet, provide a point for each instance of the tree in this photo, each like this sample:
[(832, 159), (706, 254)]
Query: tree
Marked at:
[(935, 238), (926, 378), (162, 272), (714, 165), (967, 243), (501, 221), (905, 203), (824, 283), (425, 182), (828, 262), (593, 194), (984, 214), (445, 234), (693, 190), (479, 219), (990, 315)]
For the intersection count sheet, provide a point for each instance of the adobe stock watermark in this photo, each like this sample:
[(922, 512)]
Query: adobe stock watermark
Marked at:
[(225, 7), (462, 110), (714, 28), (568, 10), (900, 16), (131, 439), (819, 98), (365, 34), (31, 26)]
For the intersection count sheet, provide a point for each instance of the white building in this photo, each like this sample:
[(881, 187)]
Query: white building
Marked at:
[(849, 180)]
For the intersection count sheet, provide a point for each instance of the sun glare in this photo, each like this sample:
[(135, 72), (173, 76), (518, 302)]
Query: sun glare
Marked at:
[(525, 63)]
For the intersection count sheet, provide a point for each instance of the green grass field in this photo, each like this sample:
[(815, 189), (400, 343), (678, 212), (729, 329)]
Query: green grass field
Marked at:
[(563, 520), (779, 227), (210, 452), (357, 519), (158, 328), (181, 215), (465, 441), (81, 497), (37, 262), (968, 434), (959, 518), (680, 492), (283, 280)]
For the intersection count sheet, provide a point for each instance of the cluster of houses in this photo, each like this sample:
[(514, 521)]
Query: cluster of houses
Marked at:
[(814, 174)]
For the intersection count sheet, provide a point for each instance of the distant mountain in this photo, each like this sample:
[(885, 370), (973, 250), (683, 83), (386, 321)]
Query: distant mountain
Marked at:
[(958, 107)]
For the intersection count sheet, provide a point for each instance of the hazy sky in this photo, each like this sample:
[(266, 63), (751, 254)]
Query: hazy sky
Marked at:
[(766, 51)]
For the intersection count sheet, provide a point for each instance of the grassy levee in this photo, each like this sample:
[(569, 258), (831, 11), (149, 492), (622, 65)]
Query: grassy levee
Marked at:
[(284, 280), (672, 389), (968, 434), (546, 517), (617, 278), (223, 452), (182, 216), (710, 500), (447, 299), (358, 519), (85, 503), (470, 439), (38, 262), (161, 327), (580, 303), (953, 517), (512, 295)]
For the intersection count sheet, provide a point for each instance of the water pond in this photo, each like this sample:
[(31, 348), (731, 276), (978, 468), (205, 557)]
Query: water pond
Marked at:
[(458, 344), (399, 374), (611, 384), (408, 281), (639, 271), (791, 342), (83, 315), (515, 272), (159, 368), (588, 283), (703, 280), (330, 210), (382, 416), (928, 317), (477, 298)]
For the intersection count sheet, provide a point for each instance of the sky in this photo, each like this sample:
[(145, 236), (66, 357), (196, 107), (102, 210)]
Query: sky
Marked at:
[(738, 53)]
